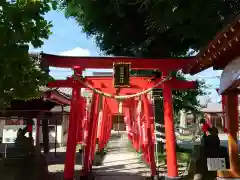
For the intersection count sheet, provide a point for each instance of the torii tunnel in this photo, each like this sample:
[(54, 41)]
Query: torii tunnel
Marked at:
[(136, 107)]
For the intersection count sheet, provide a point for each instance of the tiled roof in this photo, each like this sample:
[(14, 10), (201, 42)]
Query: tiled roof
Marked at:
[(66, 91), (215, 52), (59, 109)]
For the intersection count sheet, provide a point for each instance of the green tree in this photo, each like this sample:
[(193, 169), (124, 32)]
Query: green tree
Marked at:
[(22, 25), (151, 28)]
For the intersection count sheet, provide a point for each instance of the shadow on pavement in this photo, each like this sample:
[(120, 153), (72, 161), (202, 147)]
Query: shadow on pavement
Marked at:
[(60, 158)]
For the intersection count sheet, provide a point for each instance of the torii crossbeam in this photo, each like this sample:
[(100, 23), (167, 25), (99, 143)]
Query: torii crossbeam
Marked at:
[(163, 65)]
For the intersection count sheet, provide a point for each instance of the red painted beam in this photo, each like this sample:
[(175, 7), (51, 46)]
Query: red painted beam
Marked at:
[(135, 83), (164, 64), (62, 83)]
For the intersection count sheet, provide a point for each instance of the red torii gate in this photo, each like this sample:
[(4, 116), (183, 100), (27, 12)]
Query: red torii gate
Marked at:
[(106, 85)]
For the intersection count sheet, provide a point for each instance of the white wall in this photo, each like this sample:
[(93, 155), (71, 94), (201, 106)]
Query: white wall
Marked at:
[(10, 133)]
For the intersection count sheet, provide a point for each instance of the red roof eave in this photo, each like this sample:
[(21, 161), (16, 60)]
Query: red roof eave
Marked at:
[(214, 52), (52, 95)]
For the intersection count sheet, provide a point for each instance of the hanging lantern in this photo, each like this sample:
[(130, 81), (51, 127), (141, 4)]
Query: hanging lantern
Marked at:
[(121, 73)]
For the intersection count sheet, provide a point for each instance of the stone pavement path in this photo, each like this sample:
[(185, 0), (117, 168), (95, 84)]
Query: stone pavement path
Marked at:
[(120, 162)]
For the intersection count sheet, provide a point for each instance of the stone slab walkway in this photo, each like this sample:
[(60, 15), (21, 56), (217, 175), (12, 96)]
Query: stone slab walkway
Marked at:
[(120, 162)]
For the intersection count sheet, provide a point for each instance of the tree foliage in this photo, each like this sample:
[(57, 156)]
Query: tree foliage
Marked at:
[(153, 29), (22, 25)]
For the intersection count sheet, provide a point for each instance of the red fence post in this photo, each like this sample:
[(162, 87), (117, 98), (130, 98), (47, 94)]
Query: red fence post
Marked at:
[(72, 135)]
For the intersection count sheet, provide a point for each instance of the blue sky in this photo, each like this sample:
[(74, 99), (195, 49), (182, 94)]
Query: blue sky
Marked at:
[(68, 39)]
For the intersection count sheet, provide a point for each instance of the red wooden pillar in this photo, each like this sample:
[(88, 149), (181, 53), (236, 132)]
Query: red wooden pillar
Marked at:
[(232, 118), (170, 133), (80, 116), (94, 132), (232, 114), (108, 123), (108, 127), (140, 129), (72, 134), (103, 125), (224, 111), (88, 148), (149, 136)]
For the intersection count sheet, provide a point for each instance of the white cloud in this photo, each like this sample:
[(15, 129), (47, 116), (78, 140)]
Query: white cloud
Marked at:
[(76, 52), (83, 52), (62, 73)]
